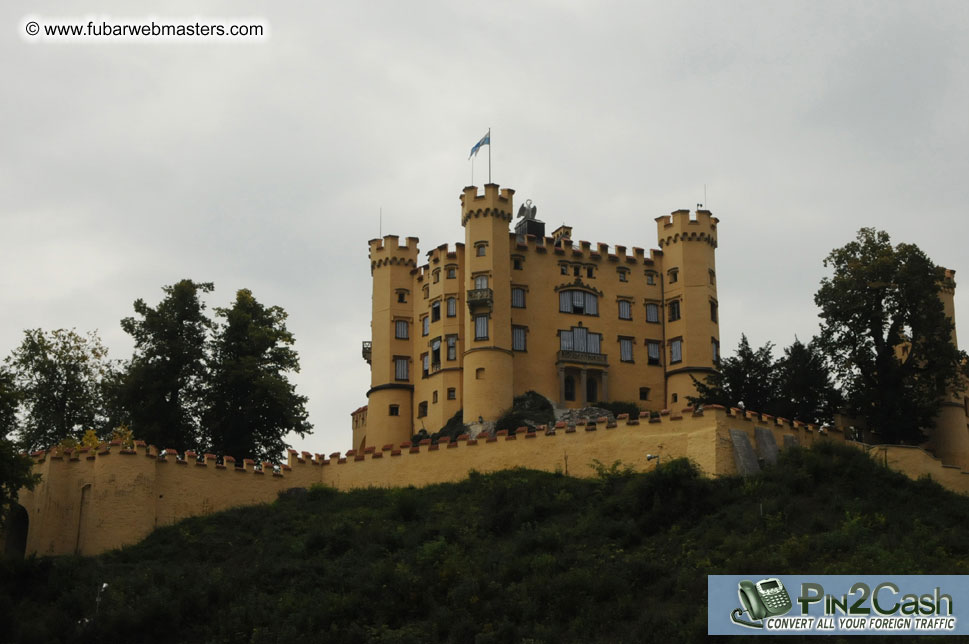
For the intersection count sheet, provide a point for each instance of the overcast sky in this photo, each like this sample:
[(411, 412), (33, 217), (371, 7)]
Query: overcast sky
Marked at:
[(264, 165)]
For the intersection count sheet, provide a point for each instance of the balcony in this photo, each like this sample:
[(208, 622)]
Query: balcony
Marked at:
[(481, 298), (581, 357), (367, 347)]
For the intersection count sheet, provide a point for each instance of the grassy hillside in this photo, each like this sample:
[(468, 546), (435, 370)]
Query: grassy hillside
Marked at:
[(517, 556)]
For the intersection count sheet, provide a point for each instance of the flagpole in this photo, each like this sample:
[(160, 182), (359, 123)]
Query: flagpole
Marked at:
[(472, 172), (489, 155)]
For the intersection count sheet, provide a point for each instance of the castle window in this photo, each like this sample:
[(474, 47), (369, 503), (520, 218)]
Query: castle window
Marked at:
[(676, 351), (434, 397), (481, 327), (452, 393), (713, 311), (623, 275), (452, 307), (517, 297), (652, 352), (569, 388), (516, 263), (394, 410), (481, 281), (451, 272), (674, 275), (437, 276), (402, 297), (518, 338), (400, 368), (626, 349), (716, 350), (579, 339), (644, 393), (435, 311), (650, 278), (426, 362), (481, 249), (674, 397), (564, 269), (427, 292), (625, 310), (401, 329), (422, 409), (713, 277), (479, 373), (436, 353), (579, 302), (576, 270), (425, 325), (674, 311), (452, 347), (590, 272)]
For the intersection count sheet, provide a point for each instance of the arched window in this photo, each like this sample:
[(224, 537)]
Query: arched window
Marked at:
[(569, 388)]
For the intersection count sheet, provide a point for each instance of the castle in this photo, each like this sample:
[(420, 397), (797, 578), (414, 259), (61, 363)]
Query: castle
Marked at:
[(500, 314), (506, 312)]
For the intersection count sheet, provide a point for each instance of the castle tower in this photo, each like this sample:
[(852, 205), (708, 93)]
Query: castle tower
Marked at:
[(950, 436), (692, 331), (393, 369), (488, 378)]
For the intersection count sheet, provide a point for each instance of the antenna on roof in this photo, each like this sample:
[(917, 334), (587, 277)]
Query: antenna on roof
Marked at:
[(380, 230)]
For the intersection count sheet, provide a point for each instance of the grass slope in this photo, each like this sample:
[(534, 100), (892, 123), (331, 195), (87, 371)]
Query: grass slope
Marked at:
[(517, 556)]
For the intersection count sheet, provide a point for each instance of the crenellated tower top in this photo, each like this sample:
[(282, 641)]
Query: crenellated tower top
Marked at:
[(681, 226), (389, 252), (495, 202)]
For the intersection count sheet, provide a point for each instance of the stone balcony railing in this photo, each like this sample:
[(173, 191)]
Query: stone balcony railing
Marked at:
[(600, 359), (480, 297)]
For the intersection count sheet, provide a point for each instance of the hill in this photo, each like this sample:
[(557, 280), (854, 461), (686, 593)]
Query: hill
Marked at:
[(516, 556)]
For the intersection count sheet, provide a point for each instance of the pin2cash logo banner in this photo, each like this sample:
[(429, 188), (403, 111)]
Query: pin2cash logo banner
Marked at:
[(838, 604)]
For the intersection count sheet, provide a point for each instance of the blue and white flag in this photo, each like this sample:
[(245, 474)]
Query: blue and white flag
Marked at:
[(485, 140)]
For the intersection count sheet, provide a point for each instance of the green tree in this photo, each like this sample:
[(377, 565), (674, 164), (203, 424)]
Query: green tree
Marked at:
[(885, 332), (748, 377), (15, 473), (251, 404), (162, 390), (805, 390), (57, 376), (9, 402)]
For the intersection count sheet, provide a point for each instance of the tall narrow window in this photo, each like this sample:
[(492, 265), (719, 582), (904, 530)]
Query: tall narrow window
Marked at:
[(451, 272), (452, 307), (676, 351), (518, 338), (426, 362), (435, 312), (625, 310), (644, 393), (713, 311), (480, 250), (652, 312), (422, 409), (674, 311), (481, 281), (452, 347), (715, 346), (569, 388), (517, 297), (652, 352), (401, 330), (437, 276), (436, 353), (674, 275), (623, 276), (400, 368), (481, 327), (650, 278), (626, 349), (425, 325)]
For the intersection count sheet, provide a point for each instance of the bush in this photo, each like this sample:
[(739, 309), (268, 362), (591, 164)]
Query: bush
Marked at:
[(620, 407), (531, 409)]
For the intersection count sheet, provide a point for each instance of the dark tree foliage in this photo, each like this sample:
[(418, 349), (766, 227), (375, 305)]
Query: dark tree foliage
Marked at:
[(9, 402), (251, 405), (886, 333), (15, 473), (805, 390), (747, 377), (56, 378), (528, 410), (162, 392)]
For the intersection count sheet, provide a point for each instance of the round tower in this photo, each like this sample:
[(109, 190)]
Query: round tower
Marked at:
[(949, 439), (691, 316), (393, 367), (488, 378)]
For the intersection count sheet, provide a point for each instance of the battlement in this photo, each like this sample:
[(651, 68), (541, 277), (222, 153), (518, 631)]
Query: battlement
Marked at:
[(443, 253), (494, 202), (585, 251), (680, 225), (389, 252)]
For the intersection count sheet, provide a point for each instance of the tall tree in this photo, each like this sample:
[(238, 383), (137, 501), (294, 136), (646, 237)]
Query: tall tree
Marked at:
[(57, 376), (9, 402), (16, 471), (163, 389), (251, 403), (805, 390), (886, 333), (748, 377)]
